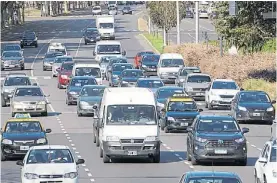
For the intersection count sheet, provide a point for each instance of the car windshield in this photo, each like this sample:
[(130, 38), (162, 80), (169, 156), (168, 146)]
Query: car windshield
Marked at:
[(82, 82), (53, 55), (131, 115), (213, 180), (112, 8), (12, 54), (16, 81), (126, 8), (39, 156), (96, 8), (185, 72), (150, 84), (12, 48), (23, 127), (273, 154), (63, 59), (144, 53), (151, 58), (109, 49), (199, 79), (118, 60), (21, 92), (105, 60), (59, 50), (120, 68), (67, 66), (182, 106), (217, 125), (88, 71), (224, 85), (165, 93), (106, 25), (172, 62), (92, 91), (134, 74), (254, 97), (29, 35)]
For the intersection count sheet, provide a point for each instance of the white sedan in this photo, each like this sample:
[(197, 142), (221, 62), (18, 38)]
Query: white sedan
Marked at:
[(49, 163), (266, 166)]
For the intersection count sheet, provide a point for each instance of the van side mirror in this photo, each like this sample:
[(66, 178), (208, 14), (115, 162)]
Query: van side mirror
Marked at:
[(48, 130), (95, 107), (163, 109), (20, 163), (124, 53), (245, 130), (189, 129), (80, 161), (273, 101), (93, 53), (241, 89), (200, 110)]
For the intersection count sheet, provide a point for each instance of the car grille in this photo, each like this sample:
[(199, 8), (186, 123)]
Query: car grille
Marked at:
[(132, 148), (33, 103), (252, 110), (226, 96), (24, 143), (222, 102), (152, 66), (50, 176), (132, 141), (92, 103), (219, 143), (199, 89), (11, 62), (50, 181), (172, 73), (184, 120)]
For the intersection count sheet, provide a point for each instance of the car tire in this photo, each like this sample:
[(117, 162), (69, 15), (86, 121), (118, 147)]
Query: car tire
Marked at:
[(86, 43), (265, 181), (22, 46), (106, 158), (59, 86), (210, 107), (97, 140), (79, 114), (101, 152), (242, 162), (2, 68), (13, 114), (194, 161), (94, 136), (3, 157), (36, 45), (44, 113), (3, 102), (22, 67), (206, 104), (166, 130), (188, 153), (43, 68), (157, 158)]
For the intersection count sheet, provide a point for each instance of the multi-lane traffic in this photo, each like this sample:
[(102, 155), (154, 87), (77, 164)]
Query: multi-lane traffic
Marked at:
[(76, 132)]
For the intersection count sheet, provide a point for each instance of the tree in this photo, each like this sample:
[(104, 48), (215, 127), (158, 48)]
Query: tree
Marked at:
[(248, 31)]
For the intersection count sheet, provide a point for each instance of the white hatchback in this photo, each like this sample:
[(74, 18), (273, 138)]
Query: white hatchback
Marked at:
[(49, 163)]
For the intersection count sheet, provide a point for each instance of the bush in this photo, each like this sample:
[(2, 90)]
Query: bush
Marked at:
[(270, 46)]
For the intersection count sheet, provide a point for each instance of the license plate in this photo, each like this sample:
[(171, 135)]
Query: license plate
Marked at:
[(11, 66), (220, 151), (256, 114), (184, 124), (199, 94), (24, 148), (132, 153), (31, 107)]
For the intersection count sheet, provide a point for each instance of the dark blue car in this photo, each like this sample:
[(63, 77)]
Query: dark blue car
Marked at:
[(253, 106), (116, 70), (163, 93), (75, 85), (129, 77), (210, 176), (151, 83), (149, 64)]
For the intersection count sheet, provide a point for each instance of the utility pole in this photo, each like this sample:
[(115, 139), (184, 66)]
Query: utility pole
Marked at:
[(178, 23), (50, 8), (149, 24), (196, 21)]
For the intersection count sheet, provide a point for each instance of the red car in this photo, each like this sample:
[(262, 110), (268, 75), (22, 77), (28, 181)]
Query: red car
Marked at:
[(64, 73), (138, 57)]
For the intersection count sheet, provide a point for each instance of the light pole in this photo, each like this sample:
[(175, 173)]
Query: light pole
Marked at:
[(196, 21), (178, 23)]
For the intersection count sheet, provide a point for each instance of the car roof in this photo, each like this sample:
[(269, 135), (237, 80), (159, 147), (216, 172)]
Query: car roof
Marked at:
[(253, 91), (16, 75), (216, 117), (28, 86), (133, 70), (170, 88), (224, 80), (193, 174), (95, 86), (147, 54), (149, 79), (171, 56), (13, 44), (198, 74), (23, 120), (12, 51), (53, 52), (49, 147), (108, 42), (86, 65), (83, 77)]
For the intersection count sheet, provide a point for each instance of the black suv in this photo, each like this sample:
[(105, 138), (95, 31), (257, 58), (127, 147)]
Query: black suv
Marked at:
[(29, 39), (216, 138)]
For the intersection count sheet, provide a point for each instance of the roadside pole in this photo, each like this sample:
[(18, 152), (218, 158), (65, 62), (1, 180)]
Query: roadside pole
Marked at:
[(178, 23), (196, 21)]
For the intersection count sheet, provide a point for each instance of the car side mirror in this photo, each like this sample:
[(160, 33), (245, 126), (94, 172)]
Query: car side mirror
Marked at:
[(273, 101), (189, 129), (200, 110), (245, 130), (110, 69), (46, 95), (241, 89), (80, 161), (93, 53), (163, 109), (262, 160), (48, 130), (124, 53), (20, 163), (35, 84), (95, 107)]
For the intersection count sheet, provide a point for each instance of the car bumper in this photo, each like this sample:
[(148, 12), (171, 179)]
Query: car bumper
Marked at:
[(86, 110), (150, 72), (115, 149), (202, 153), (221, 103), (97, 13), (72, 98), (40, 180), (196, 94), (107, 36), (11, 151), (54, 73), (28, 43), (168, 79), (246, 116), (90, 40), (48, 67), (178, 125), (29, 109)]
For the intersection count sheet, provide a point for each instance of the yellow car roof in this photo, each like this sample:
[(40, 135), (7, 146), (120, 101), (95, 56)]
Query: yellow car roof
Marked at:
[(181, 100), (23, 120)]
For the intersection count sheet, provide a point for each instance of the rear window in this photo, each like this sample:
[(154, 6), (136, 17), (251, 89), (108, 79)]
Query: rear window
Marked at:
[(143, 53)]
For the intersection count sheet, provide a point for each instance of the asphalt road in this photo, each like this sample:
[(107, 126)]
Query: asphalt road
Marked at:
[(76, 132)]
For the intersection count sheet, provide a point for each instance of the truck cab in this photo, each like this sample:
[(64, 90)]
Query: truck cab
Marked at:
[(108, 48)]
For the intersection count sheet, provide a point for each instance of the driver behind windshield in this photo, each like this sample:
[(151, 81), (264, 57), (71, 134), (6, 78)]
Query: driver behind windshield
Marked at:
[(182, 106), (59, 157)]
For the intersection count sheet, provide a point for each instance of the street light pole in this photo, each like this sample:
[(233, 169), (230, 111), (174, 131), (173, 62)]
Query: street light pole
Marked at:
[(178, 23), (196, 21)]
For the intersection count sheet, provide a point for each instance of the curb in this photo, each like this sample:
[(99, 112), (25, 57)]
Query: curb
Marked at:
[(150, 44)]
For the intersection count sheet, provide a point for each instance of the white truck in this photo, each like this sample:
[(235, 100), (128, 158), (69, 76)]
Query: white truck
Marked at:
[(88, 69), (106, 25), (128, 124)]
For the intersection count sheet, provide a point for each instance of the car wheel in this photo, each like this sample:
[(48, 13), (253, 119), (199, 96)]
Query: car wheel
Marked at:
[(206, 104), (188, 153), (79, 114), (210, 107), (4, 104), (44, 69), (3, 157), (193, 160), (2, 68), (97, 140), (22, 46), (106, 158), (242, 162), (157, 158), (166, 130), (94, 137), (36, 45), (44, 113), (265, 181), (86, 43), (101, 153), (13, 114)]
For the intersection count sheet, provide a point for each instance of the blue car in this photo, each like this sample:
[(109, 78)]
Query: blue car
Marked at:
[(210, 176), (74, 87), (129, 77), (116, 70), (149, 64), (90, 95), (113, 60), (151, 83), (163, 93)]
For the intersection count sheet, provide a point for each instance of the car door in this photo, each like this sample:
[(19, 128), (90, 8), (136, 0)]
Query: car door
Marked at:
[(260, 166), (101, 124), (234, 105), (159, 69), (207, 93)]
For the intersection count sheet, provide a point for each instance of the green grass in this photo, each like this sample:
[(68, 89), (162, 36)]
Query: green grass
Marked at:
[(269, 46), (156, 41)]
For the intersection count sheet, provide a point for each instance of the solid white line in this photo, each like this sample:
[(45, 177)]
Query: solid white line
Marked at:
[(72, 144), (78, 47), (92, 180), (259, 149), (86, 169), (186, 162), (89, 174)]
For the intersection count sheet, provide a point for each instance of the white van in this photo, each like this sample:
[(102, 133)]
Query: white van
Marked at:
[(105, 26), (169, 65), (57, 47), (108, 48), (128, 124), (88, 69)]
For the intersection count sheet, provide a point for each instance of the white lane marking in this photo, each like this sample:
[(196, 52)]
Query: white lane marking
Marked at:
[(89, 174), (259, 149), (86, 169), (76, 152), (77, 51), (92, 180), (79, 156)]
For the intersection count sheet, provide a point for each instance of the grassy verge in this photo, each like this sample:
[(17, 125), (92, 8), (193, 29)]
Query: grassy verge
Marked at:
[(32, 12), (156, 41)]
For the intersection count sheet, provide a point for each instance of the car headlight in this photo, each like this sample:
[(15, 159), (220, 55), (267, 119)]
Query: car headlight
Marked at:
[(71, 175), (270, 109), (170, 119), (7, 141), (242, 108), (189, 89), (73, 93), (200, 139), (7, 90), (115, 76), (64, 76), (124, 82), (31, 176), (112, 138), (84, 103), (16, 103), (41, 103), (240, 140), (151, 138), (144, 66), (41, 141), (274, 173), (160, 105)]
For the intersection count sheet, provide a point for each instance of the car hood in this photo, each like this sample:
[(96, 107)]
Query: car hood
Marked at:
[(90, 99), (225, 92), (219, 135), (68, 73), (49, 59), (150, 63), (29, 98), (255, 105), (51, 168), (182, 114), (169, 69), (116, 73), (154, 89), (99, 56), (24, 136), (74, 88), (162, 100), (198, 85), (101, 31), (130, 79), (11, 58)]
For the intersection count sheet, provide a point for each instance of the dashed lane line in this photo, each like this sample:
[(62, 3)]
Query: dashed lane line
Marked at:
[(33, 78)]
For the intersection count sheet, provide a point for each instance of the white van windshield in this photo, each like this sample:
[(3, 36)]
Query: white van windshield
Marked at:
[(131, 115), (106, 25), (109, 49), (172, 62), (88, 71)]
